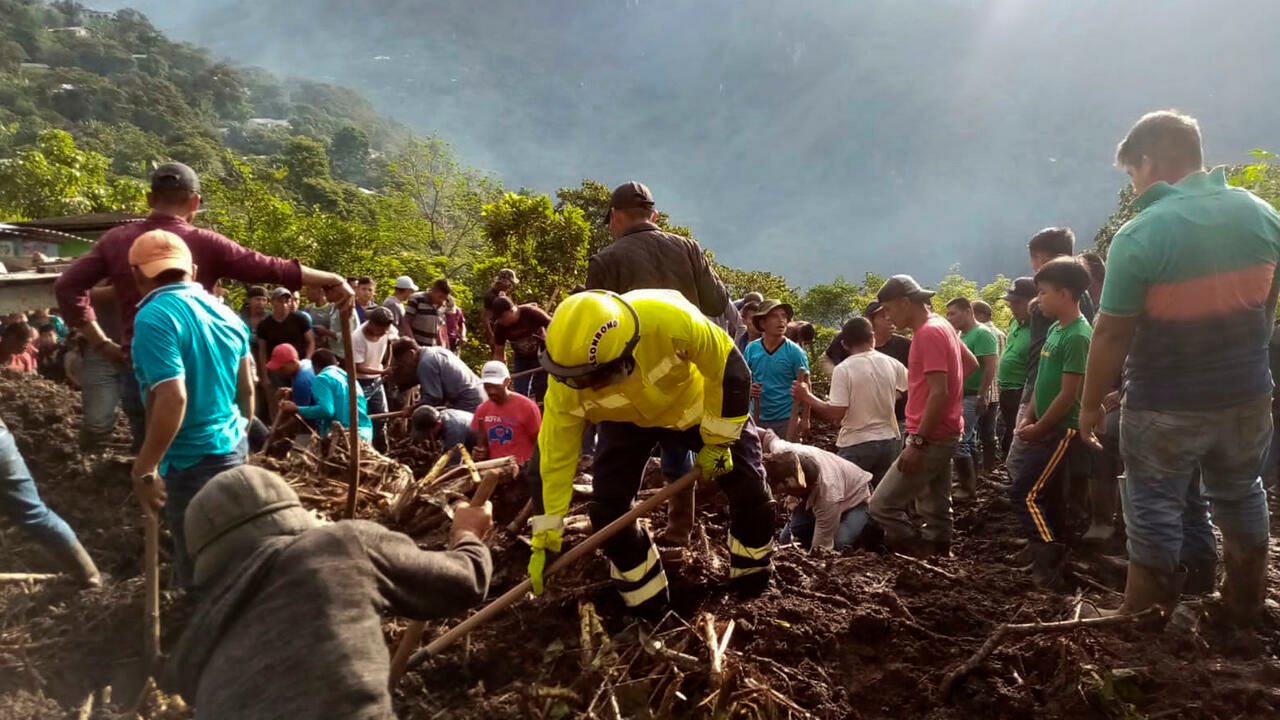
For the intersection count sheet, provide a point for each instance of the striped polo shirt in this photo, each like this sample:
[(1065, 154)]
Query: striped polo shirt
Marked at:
[(1195, 266)]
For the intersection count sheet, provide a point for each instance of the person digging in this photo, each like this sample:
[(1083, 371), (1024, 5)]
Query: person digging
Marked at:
[(647, 367), (290, 618)]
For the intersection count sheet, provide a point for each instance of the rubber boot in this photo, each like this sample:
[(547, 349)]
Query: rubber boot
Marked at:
[(1047, 563), (1244, 587), (1102, 510), (1202, 578), (910, 545), (966, 478), (989, 460), (748, 586), (1144, 587), (679, 528), (76, 561)]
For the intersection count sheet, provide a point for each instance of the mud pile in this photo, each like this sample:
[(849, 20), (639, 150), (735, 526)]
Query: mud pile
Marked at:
[(862, 634)]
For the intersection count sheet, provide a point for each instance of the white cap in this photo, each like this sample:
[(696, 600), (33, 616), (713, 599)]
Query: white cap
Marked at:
[(404, 282), (494, 372)]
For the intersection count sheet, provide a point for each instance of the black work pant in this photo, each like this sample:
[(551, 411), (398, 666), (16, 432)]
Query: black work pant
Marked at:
[(1010, 401), (622, 449)]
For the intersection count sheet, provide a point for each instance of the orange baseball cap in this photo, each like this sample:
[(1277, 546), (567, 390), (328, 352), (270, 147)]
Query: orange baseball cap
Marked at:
[(155, 251)]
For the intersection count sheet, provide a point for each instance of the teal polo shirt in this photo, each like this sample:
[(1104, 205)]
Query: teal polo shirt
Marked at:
[(1195, 266), (182, 332)]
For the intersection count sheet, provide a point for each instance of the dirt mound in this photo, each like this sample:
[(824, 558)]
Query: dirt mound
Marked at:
[(862, 634)]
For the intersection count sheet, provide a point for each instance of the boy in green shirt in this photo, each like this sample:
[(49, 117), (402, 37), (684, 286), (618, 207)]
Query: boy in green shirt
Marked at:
[(1050, 427)]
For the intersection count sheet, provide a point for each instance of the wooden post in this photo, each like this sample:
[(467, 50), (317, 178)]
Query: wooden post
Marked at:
[(413, 634), (798, 410), (353, 413), (151, 628), (577, 552)]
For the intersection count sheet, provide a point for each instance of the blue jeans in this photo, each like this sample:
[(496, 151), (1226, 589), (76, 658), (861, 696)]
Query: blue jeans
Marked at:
[(1162, 452), (135, 407), (968, 446), (676, 460), (801, 526), (100, 387), (376, 398), (21, 503), (533, 385), (874, 456), (182, 485)]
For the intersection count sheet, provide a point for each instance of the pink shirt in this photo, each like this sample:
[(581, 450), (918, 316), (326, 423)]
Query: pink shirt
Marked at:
[(510, 429), (935, 347)]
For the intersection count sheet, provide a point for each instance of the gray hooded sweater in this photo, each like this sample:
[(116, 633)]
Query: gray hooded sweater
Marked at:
[(294, 630)]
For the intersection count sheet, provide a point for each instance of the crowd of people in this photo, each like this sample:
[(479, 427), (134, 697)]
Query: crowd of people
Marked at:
[(1142, 382)]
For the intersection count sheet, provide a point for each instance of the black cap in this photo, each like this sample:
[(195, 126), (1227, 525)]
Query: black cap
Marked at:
[(255, 291), (175, 176), (873, 307), (902, 286), (425, 417), (1023, 287), (629, 195)]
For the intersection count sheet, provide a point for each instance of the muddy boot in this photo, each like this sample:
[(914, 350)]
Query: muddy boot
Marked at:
[(1102, 510), (910, 545), (1144, 587), (989, 460), (966, 477), (679, 520), (76, 561), (1202, 578), (753, 585), (1047, 563), (1244, 586)]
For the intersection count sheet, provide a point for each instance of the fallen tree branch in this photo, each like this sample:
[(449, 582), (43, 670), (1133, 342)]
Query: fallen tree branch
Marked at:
[(1035, 628), (932, 568), (27, 577)]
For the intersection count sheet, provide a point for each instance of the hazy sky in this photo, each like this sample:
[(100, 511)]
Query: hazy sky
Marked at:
[(809, 138)]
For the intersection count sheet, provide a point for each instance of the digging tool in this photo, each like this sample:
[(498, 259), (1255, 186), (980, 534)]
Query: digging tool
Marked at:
[(577, 552), (353, 414), (413, 634), (798, 410), (151, 612)]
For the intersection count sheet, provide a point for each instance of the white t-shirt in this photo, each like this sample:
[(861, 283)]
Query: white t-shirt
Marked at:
[(868, 384), (370, 352)]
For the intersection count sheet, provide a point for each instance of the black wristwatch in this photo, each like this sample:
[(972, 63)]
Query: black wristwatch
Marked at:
[(916, 441)]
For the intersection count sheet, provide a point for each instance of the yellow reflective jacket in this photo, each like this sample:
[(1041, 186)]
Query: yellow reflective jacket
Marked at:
[(688, 372)]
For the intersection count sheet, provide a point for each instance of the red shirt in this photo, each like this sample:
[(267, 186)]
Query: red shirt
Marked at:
[(23, 361), (935, 347), (215, 257), (511, 429)]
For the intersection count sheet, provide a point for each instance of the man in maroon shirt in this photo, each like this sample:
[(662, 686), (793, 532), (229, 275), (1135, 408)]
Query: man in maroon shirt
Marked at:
[(174, 200)]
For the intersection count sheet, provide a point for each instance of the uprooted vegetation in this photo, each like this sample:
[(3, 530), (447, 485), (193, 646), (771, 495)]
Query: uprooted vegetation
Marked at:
[(859, 634)]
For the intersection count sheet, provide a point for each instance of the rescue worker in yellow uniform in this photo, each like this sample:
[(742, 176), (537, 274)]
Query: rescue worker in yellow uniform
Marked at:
[(648, 367)]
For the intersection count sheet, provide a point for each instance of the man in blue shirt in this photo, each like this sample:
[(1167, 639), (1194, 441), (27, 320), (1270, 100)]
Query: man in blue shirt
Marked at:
[(774, 361), (329, 399), (191, 357)]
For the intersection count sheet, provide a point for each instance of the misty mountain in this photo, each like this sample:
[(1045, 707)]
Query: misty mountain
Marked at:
[(809, 138)]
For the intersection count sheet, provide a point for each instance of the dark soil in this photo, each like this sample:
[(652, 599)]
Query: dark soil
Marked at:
[(858, 635)]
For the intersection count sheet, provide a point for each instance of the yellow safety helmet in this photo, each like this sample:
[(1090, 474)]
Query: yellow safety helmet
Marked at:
[(592, 338)]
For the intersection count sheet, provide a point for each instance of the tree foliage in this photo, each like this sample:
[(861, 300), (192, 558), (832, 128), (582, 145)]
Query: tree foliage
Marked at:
[(54, 177)]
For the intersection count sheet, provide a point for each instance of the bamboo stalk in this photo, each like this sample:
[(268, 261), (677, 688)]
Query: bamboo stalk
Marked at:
[(574, 554), (413, 634), (353, 413)]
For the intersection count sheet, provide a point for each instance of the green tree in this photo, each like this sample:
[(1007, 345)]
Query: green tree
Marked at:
[(547, 248), (349, 152), (953, 285), (54, 177), (1124, 211), (740, 282), (829, 304), (592, 198), (451, 197)]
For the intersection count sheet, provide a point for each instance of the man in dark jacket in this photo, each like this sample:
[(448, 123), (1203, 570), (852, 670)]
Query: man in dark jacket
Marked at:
[(643, 256), (290, 622)]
